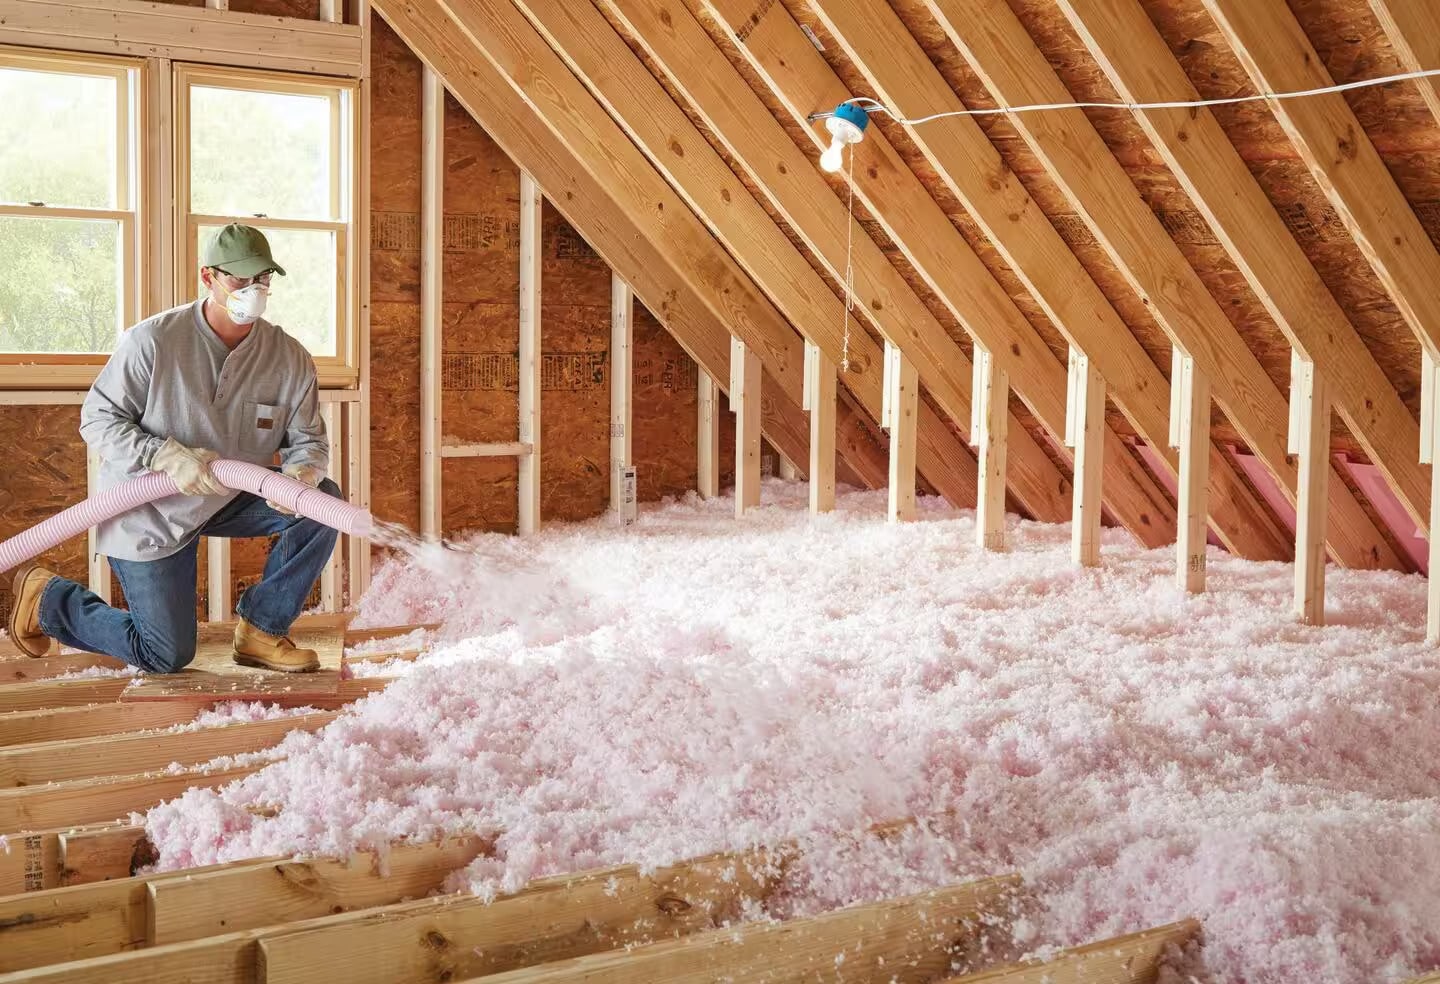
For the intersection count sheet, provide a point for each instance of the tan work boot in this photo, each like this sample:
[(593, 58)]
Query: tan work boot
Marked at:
[(256, 648), (24, 624)]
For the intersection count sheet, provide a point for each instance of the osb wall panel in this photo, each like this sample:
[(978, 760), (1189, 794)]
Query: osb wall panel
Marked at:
[(394, 279), (45, 473)]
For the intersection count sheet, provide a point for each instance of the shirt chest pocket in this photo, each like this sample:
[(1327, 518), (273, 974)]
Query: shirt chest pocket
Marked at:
[(263, 426)]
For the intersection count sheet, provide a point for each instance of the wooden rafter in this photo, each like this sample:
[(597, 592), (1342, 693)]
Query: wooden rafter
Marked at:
[(1413, 27), (1277, 54), (998, 48), (964, 159), (622, 84), (799, 76), (575, 118), (694, 308), (1140, 65)]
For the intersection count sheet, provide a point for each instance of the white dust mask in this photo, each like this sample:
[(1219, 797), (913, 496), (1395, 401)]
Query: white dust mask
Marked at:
[(246, 304)]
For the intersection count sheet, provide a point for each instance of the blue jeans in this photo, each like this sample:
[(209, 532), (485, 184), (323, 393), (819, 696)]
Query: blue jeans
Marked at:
[(158, 633)]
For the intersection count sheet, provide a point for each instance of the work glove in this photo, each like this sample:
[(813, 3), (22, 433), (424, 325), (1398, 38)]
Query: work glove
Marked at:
[(305, 474), (189, 467)]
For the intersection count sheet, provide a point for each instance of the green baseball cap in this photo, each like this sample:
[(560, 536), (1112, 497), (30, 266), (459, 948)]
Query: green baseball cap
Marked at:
[(241, 251)]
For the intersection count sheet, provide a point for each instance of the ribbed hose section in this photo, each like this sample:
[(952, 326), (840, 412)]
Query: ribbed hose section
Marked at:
[(239, 475)]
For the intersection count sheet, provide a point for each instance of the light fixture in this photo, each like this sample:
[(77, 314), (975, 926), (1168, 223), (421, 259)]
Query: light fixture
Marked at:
[(847, 126)]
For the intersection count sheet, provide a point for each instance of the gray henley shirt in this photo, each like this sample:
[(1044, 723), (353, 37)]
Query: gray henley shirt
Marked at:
[(172, 376)]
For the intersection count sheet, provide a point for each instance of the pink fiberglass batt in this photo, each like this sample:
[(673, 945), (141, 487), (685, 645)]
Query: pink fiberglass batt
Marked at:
[(694, 683)]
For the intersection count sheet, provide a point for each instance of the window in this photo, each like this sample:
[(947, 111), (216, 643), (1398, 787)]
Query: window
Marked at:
[(68, 280), (275, 152)]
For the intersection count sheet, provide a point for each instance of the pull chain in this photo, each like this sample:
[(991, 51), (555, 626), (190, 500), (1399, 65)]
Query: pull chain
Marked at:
[(849, 267)]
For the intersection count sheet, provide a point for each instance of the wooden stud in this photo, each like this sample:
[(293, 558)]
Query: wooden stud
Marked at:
[(1270, 42), (992, 445), (332, 577), (530, 253), (1087, 430), (916, 933), (820, 390), (205, 34), (745, 401), (1139, 63), (1192, 435), (708, 447), (689, 280), (1133, 959), (357, 549), (1432, 595), (622, 340), (432, 223), (332, 11), (902, 396), (220, 599), (224, 4), (99, 564), (1313, 450), (1077, 159)]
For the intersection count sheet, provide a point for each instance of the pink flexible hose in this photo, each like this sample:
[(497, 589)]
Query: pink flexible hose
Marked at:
[(240, 475)]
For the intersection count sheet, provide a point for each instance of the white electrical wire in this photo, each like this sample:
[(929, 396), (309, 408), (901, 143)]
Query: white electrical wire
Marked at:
[(1134, 106)]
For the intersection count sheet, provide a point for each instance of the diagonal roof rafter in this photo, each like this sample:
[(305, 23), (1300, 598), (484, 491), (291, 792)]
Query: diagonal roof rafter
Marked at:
[(1139, 64), (1001, 52), (791, 67), (622, 87), (1278, 55), (880, 46)]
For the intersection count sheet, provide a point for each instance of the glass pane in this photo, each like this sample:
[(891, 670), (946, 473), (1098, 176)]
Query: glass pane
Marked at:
[(260, 153), (303, 301), (59, 285), (58, 140)]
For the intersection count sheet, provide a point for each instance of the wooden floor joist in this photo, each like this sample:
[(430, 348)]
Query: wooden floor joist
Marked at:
[(453, 937), (46, 667), (127, 754), (91, 720), (1133, 959), (920, 934), (102, 800)]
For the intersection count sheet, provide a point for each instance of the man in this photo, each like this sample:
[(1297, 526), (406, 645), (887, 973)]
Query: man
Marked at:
[(206, 380)]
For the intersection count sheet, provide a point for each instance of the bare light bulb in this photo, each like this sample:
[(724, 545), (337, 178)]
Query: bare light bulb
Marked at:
[(834, 156)]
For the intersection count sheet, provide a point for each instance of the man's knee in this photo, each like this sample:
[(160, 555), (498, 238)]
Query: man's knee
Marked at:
[(165, 653)]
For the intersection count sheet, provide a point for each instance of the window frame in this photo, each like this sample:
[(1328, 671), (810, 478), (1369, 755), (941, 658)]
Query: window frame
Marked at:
[(20, 369), (344, 93)]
